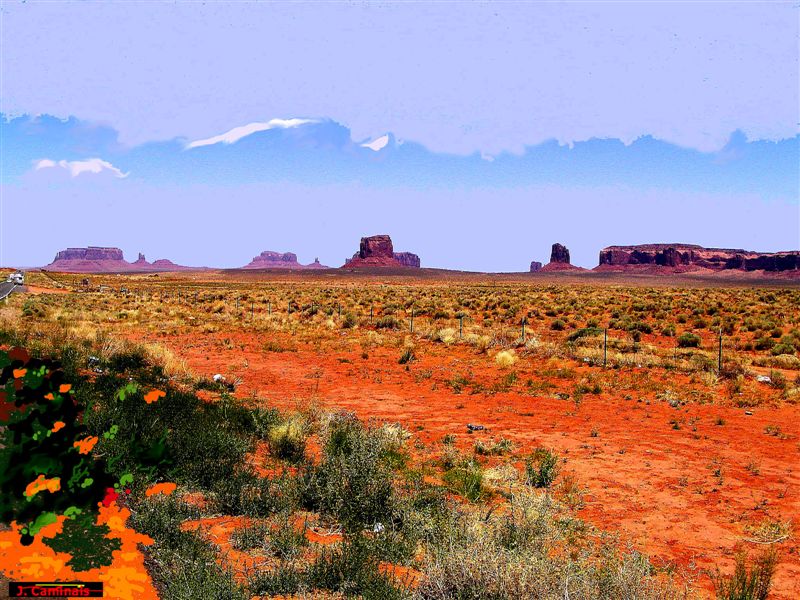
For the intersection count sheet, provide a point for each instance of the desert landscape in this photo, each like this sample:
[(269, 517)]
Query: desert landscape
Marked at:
[(653, 413), (431, 300)]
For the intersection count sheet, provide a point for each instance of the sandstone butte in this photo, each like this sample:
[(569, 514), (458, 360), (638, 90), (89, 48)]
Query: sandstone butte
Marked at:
[(559, 261), (688, 257), (280, 260), (95, 259), (378, 251)]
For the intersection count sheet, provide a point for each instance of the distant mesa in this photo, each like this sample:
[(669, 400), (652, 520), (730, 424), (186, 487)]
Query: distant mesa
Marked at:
[(280, 260), (678, 258), (559, 261), (378, 251), (536, 266), (96, 259)]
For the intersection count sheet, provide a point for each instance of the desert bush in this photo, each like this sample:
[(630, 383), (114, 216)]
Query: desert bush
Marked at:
[(287, 440), (541, 468), (521, 555), (505, 358), (387, 322), (465, 478), (353, 481), (250, 536), (748, 582), (688, 340)]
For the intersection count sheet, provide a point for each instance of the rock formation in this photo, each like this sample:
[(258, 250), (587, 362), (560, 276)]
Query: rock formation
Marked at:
[(559, 260), (559, 254), (689, 257), (94, 259), (277, 260), (535, 266), (378, 251), (89, 253), (407, 259)]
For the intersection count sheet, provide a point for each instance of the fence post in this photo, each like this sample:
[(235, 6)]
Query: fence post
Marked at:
[(370, 315), (461, 327), (340, 308), (719, 357), (269, 307), (523, 330), (252, 310), (605, 346)]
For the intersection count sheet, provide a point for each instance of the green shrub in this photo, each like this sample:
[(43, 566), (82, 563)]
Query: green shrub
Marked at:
[(748, 582), (541, 468), (466, 478), (353, 482), (249, 537), (688, 340), (287, 440), (387, 322)]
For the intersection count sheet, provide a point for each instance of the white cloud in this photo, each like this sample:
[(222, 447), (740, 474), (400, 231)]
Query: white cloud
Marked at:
[(76, 167), (377, 143), (237, 133)]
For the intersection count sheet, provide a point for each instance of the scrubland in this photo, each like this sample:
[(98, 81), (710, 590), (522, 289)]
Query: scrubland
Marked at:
[(437, 439)]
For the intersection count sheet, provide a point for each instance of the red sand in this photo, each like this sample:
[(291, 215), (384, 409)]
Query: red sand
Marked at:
[(652, 483)]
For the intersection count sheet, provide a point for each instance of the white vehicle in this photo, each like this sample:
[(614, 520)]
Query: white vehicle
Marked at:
[(16, 278)]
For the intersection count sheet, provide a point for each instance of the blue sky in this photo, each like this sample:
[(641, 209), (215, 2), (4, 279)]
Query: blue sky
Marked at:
[(496, 129)]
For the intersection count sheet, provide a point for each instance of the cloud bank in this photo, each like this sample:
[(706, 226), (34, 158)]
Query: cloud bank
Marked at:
[(78, 167)]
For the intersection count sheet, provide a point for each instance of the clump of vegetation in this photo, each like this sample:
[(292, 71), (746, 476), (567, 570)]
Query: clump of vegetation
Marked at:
[(748, 581), (688, 340), (541, 468), (287, 440), (506, 358)]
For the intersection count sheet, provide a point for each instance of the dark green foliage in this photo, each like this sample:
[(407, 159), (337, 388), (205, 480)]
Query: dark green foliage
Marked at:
[(541, 468), (688, 340), (350, 568), (353, 482), (86, 541), (584, 332), (178, 437), (31, 403), (466, 478)]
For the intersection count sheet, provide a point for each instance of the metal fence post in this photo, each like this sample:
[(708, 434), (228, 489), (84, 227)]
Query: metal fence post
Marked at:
[(605, 347)]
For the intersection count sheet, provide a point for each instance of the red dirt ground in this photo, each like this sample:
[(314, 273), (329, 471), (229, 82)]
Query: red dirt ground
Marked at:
[(654, 484)]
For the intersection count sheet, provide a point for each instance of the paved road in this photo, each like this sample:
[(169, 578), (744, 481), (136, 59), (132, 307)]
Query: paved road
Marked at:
[(6, 288)]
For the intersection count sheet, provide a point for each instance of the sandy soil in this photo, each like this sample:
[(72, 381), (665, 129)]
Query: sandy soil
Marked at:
[(686, 496)]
